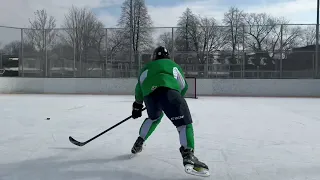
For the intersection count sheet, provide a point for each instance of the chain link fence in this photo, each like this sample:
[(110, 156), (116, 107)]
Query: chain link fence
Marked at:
[(255, 52)]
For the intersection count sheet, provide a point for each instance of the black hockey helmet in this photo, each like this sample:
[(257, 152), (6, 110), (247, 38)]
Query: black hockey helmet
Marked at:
[(160, 53)]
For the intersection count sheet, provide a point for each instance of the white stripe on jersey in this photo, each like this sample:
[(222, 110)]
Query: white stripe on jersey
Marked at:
[(178, 76)]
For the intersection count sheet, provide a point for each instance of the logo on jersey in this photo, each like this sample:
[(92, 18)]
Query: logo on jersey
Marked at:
[(177, 118), (153, 88)]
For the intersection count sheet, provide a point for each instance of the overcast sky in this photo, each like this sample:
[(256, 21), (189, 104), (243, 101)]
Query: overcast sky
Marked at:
[(163, 12)]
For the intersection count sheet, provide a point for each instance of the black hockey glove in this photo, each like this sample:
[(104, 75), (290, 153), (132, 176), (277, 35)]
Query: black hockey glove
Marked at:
[(136, 110)]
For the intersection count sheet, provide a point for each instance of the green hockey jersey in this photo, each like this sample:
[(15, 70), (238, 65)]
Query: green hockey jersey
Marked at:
[(160, 73)]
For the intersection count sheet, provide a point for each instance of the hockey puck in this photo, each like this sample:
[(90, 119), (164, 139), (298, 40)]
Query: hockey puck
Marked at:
[(48, 118)]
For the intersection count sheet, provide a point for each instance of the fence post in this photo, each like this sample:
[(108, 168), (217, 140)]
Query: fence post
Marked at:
[(243, 66), (21, 54), (75, 69), (317, 46), (281, 49), (45, 52), (172, 44), (106, 60)]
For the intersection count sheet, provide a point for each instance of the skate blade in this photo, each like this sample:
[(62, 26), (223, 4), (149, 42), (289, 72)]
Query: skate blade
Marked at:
[(197, 171), (132, 155), (135, 154)]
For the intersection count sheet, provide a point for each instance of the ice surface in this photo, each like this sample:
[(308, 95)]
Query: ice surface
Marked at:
[(239, 138)]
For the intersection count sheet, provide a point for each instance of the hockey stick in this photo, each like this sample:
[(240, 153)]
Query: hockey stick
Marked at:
[(75, 142)]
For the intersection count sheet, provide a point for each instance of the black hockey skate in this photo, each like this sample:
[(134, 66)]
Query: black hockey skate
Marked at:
[(192, 165), (138, 145)]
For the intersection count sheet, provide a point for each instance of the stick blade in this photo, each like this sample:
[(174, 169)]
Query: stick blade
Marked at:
[(189, 169), (75, 142)]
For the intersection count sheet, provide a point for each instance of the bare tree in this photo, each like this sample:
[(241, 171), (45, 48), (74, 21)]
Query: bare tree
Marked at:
[(282, 38), (42, 31), (115, 43), (200, 35), (258, 32), (85, 34), (165, 39), (136, 24), (211, 38), (234, 20), (41, 35), (257, 29), (13, 48), (309, 36), (269, 36), (186, 34)]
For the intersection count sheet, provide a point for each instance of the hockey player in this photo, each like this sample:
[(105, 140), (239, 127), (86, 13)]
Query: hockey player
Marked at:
[(161, 86)]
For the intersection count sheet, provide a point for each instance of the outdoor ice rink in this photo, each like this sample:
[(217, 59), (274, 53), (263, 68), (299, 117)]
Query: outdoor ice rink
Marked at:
[(239, 138)]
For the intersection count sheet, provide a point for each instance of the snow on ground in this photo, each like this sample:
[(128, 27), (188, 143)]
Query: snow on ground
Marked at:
[(239, 138)]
